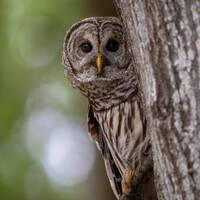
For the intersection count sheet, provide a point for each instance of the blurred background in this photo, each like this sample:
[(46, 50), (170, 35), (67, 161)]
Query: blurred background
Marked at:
[(45, 152)]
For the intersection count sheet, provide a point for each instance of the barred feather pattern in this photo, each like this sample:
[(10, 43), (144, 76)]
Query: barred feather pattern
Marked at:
[(126, 142), (115, 116), (120, 130), (123, 131)]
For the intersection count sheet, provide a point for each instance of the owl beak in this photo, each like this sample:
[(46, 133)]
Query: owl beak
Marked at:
[(99, 62)]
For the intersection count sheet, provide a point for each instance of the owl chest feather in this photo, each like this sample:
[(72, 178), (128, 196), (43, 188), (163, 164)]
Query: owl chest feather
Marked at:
[(122, 129)]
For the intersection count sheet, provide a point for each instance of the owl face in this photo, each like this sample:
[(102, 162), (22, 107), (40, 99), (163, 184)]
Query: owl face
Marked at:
[(95, 50)]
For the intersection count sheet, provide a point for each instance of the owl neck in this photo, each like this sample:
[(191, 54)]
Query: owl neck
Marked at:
[(103, 95)]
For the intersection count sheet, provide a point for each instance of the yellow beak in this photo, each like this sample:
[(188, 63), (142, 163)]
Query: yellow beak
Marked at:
[(99, 62)]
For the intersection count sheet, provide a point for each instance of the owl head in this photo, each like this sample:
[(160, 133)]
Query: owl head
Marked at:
[(95, 51)]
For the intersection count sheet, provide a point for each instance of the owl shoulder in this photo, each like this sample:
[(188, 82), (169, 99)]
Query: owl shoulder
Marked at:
[(94, 130)]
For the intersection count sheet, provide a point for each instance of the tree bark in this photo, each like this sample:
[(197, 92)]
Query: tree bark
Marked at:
[(164, 38)]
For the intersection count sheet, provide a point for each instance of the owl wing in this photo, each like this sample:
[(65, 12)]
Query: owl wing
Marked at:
[(113, 173)]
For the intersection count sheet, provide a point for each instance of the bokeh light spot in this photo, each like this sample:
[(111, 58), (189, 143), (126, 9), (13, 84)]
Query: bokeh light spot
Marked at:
[(69, 156), (61, 145)]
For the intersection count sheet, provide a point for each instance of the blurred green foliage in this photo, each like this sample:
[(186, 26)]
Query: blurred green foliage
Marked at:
[(31, 31), (31, 37)]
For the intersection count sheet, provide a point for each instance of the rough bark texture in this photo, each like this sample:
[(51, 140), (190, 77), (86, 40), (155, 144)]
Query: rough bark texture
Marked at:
[(164, 38)]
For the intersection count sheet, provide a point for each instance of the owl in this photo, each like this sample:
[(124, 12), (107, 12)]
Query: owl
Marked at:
[(97, 62)]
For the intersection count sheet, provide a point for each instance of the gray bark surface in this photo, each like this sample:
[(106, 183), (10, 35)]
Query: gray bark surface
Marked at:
[(164, 38)]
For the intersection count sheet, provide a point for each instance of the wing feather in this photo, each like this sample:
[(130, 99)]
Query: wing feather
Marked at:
[(112, 171)]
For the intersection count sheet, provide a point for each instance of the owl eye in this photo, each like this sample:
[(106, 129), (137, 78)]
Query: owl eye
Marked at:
[(86, 47), (112, 45)]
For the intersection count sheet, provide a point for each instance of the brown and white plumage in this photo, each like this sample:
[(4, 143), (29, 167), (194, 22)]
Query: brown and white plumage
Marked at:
[(97, 61)]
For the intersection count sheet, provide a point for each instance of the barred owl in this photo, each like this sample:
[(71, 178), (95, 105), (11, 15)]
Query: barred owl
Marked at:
[(97, 62)]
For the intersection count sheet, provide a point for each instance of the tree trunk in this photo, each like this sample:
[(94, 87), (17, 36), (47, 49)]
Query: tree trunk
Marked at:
[(164, 38)]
